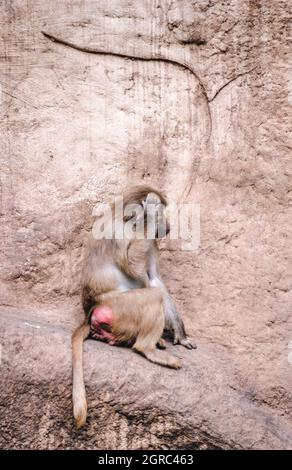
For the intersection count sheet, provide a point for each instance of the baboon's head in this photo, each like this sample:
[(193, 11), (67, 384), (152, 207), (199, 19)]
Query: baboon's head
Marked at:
[(145, 207)]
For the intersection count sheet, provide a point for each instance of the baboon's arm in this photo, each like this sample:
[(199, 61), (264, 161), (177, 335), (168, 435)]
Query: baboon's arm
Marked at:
[(173, 322)]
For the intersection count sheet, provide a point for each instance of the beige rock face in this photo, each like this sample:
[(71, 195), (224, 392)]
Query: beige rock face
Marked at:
[(195, 98)]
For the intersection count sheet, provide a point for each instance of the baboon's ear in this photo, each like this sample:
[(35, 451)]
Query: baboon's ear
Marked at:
[(151, 198)]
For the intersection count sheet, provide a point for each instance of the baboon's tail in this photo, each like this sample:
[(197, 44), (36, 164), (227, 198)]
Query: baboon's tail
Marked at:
[(78, 393)]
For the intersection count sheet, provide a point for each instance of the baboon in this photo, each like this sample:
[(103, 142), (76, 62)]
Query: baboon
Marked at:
[(124, 298)]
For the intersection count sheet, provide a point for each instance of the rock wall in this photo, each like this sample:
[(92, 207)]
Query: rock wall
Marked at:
[(194, 97)]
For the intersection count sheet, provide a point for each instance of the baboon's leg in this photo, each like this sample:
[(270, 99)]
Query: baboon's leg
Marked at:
[(139, 314), (146, 345), (151, 329), (160, 357), (78, 393)]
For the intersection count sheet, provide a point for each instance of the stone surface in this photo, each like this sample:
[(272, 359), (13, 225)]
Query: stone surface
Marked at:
[(194, 97), (201, 406)]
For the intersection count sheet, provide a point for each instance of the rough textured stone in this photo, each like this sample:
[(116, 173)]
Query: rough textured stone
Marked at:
[(196, 98), (200, 406)]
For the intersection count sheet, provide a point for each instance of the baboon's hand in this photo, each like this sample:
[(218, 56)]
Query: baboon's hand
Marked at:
[(186, 342)]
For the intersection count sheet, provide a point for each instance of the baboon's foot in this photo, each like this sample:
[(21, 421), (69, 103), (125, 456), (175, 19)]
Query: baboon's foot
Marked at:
[(161, 344)]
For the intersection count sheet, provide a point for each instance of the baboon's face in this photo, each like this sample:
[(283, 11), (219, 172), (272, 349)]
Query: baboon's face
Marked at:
[(163, 226), (148, 219), (155, 216)]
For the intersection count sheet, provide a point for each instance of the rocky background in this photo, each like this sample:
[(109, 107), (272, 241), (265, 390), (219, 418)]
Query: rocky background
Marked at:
[(195, 98)]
